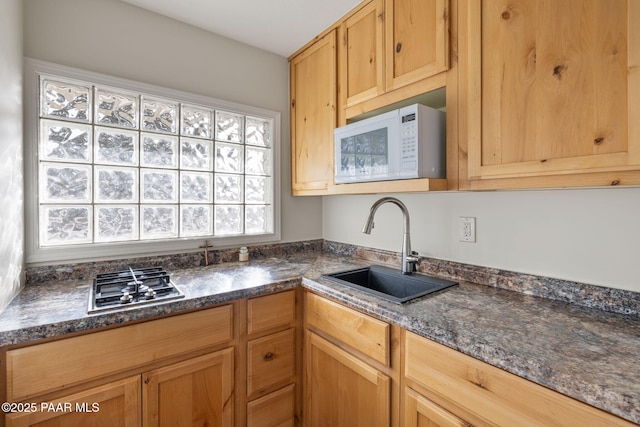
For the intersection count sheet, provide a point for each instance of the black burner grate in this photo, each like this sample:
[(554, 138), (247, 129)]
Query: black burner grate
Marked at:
[(131, 287)]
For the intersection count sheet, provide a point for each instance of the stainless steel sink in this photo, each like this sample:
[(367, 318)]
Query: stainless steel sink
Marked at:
[(389, 283)]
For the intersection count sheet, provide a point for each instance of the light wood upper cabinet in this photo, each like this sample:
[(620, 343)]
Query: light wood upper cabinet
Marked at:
[(362, 55), (549, 92), (389, 51), (313, 75), (417, 40), (381, 53)]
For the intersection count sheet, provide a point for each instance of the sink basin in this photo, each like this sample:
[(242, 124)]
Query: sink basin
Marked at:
[(389, 283)]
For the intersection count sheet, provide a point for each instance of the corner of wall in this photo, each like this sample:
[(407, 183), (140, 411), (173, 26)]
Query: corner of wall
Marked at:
[(11, 153)]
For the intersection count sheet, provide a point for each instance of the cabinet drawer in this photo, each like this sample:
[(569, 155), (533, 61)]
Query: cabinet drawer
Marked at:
[(420, 411), (270, 311), (274, 409), (52, 366), (492, 395), (364, 333), (271, 360)]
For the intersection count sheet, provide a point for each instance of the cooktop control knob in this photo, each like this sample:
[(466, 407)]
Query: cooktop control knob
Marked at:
[(150, 294), (126, 298)]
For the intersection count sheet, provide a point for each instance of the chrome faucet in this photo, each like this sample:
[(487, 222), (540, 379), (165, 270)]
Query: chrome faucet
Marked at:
[(409, 258)]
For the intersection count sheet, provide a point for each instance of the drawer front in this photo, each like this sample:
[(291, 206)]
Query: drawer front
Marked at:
[(491, 394), (420, 411), (264, 313), (271, 360), (276, 409), (364, 333), (52, 366)]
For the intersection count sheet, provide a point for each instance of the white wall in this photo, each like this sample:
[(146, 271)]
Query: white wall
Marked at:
[(11, 163), (589, 235), (115, 38)]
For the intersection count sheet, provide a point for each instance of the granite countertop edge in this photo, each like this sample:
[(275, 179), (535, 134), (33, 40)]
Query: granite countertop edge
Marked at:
[(413, 317), (108, 318)]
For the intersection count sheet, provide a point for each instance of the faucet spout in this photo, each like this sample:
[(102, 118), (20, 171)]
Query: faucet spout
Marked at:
[(409, 259)]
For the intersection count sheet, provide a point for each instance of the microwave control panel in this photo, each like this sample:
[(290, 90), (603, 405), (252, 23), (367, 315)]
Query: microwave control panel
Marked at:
[(408, 142)]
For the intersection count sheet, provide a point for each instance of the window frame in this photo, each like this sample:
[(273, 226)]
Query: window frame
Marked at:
[(36, 255)]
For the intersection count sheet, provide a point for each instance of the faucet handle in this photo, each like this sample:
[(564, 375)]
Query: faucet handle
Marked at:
[(414, 260)]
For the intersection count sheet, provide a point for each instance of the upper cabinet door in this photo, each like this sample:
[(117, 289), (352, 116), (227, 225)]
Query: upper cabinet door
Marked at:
[(313, 116), (362, 55), (550, 88), (417, 40)]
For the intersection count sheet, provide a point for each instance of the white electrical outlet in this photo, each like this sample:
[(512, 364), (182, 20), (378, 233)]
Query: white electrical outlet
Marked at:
[(468, 229)]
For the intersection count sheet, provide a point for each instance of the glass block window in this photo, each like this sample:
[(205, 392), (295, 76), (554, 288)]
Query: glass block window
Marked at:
[(116, 165)]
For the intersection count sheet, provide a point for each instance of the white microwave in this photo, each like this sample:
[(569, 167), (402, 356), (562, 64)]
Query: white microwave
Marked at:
[(401, 144)]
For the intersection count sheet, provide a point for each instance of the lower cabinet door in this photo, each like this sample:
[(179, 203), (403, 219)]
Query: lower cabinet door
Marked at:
[(198, 391), (113, 404), (342, 390), (421, 412)]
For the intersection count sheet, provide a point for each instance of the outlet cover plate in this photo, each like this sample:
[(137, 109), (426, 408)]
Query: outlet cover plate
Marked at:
[(467, 229)]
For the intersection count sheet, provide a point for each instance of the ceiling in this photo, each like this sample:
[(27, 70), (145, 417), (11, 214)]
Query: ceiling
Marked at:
[(278, 26)]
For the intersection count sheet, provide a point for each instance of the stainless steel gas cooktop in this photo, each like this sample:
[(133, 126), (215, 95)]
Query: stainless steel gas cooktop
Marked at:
[(125, 288)]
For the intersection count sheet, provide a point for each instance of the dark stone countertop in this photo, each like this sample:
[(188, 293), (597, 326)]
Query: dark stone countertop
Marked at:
[(585, 353)]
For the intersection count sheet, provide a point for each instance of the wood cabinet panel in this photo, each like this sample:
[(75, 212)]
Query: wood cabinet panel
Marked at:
[(51, 366), (359, 331), (551, 77), (198, 391), (389, 51), (271, 360), (417, 40), (276, 409), (421, 412), (113, 404), (342, 390), (362, 55), (491, 395), (313, 75), (547, 89), (271, 311), (178, 381)]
